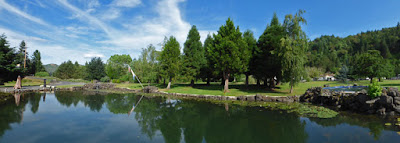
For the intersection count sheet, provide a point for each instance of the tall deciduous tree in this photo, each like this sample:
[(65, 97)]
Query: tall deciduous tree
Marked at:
[(227, 51), (170, 58), (371, 64), (294, 46), (193, 58), (147, 65), (95, 69), (115, 67)]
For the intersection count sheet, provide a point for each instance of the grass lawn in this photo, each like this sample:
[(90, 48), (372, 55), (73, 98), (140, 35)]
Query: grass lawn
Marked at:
[(237, 89), (26, 82)]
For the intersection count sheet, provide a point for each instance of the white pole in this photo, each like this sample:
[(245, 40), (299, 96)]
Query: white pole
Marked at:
[(135, 76)]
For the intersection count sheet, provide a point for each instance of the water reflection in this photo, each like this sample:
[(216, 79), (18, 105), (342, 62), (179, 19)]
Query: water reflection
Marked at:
[(169, 120)]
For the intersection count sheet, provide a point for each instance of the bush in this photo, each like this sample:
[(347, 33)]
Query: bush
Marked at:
[(374, 89), (116, 81), (105, 79), (41, 74), (125, 78)]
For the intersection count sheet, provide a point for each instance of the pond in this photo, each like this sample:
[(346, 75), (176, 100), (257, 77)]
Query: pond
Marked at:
[(105, 117)]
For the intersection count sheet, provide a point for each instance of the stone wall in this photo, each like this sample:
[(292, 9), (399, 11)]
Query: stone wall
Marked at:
[(387, 104)]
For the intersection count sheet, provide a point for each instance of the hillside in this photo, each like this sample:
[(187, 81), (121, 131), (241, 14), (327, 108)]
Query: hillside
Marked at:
[(51, 68)]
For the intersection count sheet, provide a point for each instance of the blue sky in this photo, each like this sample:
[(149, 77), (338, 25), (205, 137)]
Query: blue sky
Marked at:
[(78, 30)]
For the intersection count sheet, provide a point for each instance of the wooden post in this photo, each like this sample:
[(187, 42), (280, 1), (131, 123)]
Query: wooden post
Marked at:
[(25, 59)]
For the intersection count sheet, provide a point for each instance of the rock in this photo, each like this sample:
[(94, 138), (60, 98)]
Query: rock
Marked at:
[(150, 89), (391, 113), (326, 85), (397, 98), (362, 98), (386, 100), (381, 111), (393, 92), (397, 109)]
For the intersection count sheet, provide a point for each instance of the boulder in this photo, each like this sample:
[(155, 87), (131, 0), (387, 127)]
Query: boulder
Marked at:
[(386, 100)]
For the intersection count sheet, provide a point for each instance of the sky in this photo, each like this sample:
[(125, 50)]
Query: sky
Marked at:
[(79, 30)]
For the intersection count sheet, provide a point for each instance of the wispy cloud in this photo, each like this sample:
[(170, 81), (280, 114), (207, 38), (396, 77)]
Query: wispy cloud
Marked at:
[(93, 29), (15, 10)]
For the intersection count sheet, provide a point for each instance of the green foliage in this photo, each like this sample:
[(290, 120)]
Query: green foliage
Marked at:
[(314, 72), (193, 55), (50, 68), (371, 64), (294, 45), (343, 74), (95, 69), (227, 51), (147, 66), (169, 57), (266, 63), (115, 67), (36, 62), (65, 71), (42, 74), (8, 62), (374, 89), (105, 79), (116, 81)]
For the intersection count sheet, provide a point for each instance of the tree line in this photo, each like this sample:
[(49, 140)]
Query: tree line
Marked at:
[(17, 62), (282, 53)]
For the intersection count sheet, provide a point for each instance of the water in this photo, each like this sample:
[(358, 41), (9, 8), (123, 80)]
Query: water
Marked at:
[(346, 88), (89, 117)]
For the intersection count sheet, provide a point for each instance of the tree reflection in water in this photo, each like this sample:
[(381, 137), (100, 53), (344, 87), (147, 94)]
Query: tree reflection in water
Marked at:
[(187, 120)]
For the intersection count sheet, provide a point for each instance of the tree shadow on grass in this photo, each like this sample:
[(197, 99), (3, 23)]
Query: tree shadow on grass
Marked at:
[(250, 89)]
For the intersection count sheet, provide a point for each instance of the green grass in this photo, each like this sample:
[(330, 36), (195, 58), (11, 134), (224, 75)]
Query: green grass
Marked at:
[(27, 82), (238, 89)]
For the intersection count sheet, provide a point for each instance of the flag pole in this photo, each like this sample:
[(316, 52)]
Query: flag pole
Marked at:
[(133, 74)]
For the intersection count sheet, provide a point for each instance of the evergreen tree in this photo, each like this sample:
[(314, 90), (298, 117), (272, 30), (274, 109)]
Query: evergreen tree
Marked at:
[(250, 46), (207, 71), (170, 59), (66, 70), (193, 58), (266, 62), (7, 63), (37, 63), (95, 69), (227, 51)]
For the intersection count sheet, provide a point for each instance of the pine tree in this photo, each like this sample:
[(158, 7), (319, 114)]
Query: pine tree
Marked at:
[(227, 51), (193, 58), (170, 59)]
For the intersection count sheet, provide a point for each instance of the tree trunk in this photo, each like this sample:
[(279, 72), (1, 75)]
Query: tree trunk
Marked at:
[(291, 86), (192, 83), (371, 79), (226, 86), (258, 82), (247, 79), (169, 83), (271, 83), (164, 82), (222, 80), (208, 80)]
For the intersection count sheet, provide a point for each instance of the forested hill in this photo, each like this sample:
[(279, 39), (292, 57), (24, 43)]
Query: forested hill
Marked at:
[(330, 53)]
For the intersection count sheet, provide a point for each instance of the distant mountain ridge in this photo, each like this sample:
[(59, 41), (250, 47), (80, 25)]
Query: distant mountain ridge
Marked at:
[(51, 68)]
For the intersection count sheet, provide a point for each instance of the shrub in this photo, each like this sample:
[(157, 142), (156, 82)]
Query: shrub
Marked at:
[(116, 81), (42, 74), (105, 79), (374, 89)]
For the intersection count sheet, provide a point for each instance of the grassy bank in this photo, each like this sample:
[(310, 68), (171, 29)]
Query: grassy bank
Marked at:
[(237, 89)]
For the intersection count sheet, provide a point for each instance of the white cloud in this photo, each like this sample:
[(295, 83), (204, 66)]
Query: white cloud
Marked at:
[(12, 9), (127, 3), (92, 55), (98, 36)]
